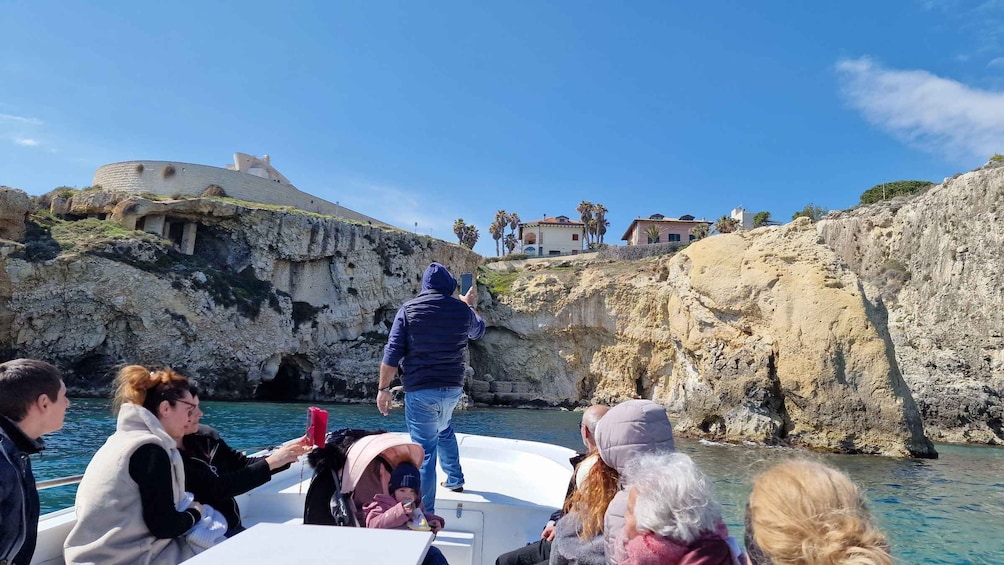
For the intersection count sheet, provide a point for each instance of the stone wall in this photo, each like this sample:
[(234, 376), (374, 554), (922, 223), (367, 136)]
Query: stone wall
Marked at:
[(187, 179)]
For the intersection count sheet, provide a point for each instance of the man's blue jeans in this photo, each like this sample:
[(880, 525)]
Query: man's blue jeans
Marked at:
[(429, 414)]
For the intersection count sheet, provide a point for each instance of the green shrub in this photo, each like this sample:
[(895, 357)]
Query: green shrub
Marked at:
[(997, 157), (498, 282), (890, 190)]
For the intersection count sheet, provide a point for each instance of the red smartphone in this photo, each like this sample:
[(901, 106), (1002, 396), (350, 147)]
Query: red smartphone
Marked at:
[(317, 425)]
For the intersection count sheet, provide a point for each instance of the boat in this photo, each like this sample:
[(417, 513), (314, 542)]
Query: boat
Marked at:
[(511, 488)]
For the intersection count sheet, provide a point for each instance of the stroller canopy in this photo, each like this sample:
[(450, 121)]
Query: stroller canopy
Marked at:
[(394, 448)]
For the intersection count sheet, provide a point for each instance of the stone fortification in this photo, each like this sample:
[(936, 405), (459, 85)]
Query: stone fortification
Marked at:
[(760, 336), (171, 178), (935, 261)]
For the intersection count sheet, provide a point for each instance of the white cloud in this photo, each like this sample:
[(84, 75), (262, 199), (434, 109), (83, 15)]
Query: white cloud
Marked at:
[(26, 141), (21, 119), (935, 114), (997, 63)]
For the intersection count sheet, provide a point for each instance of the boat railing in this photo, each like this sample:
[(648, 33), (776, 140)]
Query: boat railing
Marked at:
[(60, 482)]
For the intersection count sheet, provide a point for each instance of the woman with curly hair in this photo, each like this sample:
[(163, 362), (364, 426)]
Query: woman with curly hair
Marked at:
[(806, 513), (127, 503)]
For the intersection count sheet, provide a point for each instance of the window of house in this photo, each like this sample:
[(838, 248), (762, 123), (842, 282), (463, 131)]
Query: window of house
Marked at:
[(575, 237), (653, 240), (673, 237), (692, 237)]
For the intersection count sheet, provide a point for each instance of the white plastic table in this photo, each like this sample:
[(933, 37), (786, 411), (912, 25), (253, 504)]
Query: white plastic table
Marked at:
[(307, 545)]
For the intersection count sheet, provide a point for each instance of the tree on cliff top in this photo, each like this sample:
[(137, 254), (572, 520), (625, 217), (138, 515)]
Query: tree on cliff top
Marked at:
[(497, 228), (888, 190), (726, 224), (811, 211), (761, 219), (467, 235)]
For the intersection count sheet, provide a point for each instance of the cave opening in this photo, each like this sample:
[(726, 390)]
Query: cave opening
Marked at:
[(291, 382)]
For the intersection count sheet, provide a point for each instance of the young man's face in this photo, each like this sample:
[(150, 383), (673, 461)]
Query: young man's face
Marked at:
[(405, 493), (54, 412)]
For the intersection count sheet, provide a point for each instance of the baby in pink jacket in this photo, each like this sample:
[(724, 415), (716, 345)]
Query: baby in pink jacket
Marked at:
[(400, 509)]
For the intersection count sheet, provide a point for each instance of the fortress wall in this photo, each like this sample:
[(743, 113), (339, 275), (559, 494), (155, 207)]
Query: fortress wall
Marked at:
[(191, 180)]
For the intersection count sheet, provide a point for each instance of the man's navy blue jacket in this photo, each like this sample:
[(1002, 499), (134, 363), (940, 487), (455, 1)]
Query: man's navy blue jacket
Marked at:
[(430, 333)]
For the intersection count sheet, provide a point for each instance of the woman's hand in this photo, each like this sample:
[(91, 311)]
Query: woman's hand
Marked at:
[(436, 525), (288, 453)]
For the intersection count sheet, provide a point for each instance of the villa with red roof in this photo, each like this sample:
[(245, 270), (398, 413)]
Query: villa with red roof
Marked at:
[(552, 236)]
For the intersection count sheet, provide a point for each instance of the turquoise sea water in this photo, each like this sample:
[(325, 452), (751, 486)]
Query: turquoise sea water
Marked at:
[(949, 510)]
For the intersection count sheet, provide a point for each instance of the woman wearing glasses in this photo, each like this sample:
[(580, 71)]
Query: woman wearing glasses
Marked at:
[(127, 503)]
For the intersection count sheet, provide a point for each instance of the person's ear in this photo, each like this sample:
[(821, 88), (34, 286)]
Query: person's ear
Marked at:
[(43, 402), (163, 408)]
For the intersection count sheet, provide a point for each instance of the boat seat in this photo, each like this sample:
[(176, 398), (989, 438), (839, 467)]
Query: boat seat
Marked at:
[(457, 547)]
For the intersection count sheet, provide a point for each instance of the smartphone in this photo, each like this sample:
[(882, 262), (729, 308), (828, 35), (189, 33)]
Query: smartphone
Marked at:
[(466, 281), (317, 425)]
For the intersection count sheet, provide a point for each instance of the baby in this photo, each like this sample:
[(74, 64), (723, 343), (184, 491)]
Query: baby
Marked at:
[(403, 509)]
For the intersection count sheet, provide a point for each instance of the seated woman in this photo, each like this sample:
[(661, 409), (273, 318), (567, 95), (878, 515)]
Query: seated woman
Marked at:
[(127, 501), (626, 431), (672, 516), (215, 472), (801, 511)]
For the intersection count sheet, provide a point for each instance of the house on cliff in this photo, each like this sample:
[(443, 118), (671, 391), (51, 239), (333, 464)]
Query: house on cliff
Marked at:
[(552, 236), (660, 229)]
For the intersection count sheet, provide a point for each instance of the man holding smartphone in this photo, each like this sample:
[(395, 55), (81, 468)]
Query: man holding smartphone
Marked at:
[(428, 340)]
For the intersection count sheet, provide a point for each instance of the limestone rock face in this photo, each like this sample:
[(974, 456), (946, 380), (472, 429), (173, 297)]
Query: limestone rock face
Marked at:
[(14, 208), (760, 336), (278, 304), (936, 262)]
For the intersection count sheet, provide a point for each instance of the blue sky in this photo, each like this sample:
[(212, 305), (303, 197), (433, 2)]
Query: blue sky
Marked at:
[(429, 111)]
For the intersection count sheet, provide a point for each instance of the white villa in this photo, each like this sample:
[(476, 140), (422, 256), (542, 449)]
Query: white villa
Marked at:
[(552, 236)]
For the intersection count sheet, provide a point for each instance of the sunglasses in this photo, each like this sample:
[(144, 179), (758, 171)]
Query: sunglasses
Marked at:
[(192, 407)]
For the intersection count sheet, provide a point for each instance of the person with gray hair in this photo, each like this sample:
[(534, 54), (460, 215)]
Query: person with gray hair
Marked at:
[(672, 515)]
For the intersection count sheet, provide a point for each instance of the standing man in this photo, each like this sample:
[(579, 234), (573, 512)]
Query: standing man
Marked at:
[(32, 403), (428, 340)]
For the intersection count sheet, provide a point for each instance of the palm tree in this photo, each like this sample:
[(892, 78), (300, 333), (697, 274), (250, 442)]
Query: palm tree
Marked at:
[(700, 231), (600, 213), (458, 229), (652, 231), (510, 242), (514, 222), (497, 228), (726, 224), (585, 210), (470, 238)]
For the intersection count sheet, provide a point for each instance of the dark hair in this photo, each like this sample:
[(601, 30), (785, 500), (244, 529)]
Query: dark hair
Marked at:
[(21, 383), (138, 385)]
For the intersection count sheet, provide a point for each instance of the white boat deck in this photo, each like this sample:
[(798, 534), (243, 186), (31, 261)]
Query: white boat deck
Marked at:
[(512, 486)]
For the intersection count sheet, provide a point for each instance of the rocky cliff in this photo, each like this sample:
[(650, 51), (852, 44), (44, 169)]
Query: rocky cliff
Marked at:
[(274, 303), (936, 262), (761, 336)]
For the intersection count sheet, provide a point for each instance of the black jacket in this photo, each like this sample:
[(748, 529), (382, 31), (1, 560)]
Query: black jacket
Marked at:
[(19, 506), (215, 473)]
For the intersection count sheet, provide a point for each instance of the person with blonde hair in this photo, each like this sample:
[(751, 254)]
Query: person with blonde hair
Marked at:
[(128, 501), (807, 513)]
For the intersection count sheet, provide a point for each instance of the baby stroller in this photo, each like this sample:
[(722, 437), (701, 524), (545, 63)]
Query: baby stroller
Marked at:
[(347, 473)]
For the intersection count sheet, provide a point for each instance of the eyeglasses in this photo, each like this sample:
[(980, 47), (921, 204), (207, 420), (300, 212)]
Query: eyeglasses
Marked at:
[(192, 406)]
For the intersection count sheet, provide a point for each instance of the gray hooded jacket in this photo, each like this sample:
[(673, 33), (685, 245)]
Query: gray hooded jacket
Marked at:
[(626, 431)]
